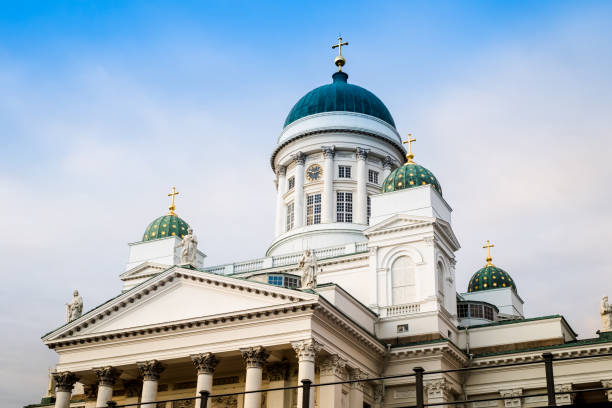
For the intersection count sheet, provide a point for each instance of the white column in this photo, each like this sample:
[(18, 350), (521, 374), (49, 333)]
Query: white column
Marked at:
[(150, 371), (281, 185), (333, 369), (327, 204), (306, 351), (205, 363), (356, 390), (387, 165), (298, 192), (361, 215), (106, 380), (438, 391), (255, 357), (278, 374), (607, 384), (65, 381)]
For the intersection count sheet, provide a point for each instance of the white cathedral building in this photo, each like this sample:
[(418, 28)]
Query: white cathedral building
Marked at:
[(358, 282)]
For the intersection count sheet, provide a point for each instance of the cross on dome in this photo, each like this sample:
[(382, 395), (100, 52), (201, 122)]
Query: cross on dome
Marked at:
[(488, 246), (340, 60), (172, 206), (409, 156)]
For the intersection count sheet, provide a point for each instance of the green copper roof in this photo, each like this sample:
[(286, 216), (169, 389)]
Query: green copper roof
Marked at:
[(410, 175), (490, 277), (339, 96), (165, 226)]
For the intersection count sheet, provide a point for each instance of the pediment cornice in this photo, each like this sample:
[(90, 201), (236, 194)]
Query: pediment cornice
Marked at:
[(397, 223)]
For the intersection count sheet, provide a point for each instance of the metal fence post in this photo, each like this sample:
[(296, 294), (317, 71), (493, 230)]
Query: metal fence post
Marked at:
[(550, 379), (419, 386), (204, 398), (306, 393), (111, 404)]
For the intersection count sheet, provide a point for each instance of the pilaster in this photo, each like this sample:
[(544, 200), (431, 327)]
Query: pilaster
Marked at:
[(362, 194), (564, 399), (298, 193), (438, 391), (278, 374), (327, 210), (332, 369)]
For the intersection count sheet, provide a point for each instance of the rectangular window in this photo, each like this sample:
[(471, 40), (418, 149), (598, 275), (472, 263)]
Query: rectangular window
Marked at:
[(292, 282), (313, 209), (291, 183), (290, 215), (369, 209), (488, 313), (476, 311), (373, 176), (344, 206), (462, 310), (275, 280), (344, 172), (402, 328)]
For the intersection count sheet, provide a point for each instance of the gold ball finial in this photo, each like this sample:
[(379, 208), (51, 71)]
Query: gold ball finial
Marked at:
[(409, 155), (489, 259), (340, 60)]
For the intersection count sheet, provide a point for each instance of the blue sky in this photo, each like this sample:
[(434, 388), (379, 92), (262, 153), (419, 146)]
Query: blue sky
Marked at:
[(105, 105)]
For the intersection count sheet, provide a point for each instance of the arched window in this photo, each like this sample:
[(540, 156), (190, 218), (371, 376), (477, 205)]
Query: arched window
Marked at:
[(403, 278), (440, 272)]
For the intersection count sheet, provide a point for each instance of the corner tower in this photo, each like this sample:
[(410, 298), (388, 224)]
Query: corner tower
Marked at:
[(337, 145)]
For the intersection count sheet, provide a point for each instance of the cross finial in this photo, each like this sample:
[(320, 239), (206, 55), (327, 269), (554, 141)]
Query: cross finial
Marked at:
[(172, 206), (340, 60), (409, 156), (489, 259)]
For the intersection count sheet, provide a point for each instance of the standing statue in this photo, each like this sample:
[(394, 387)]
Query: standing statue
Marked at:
[(190, 248), (74, 309), (308, 265), (606, 315)]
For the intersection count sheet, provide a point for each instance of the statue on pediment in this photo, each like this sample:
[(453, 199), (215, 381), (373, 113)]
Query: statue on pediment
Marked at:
[(308, 266), (190, 248), (74, 309), (605, 310)]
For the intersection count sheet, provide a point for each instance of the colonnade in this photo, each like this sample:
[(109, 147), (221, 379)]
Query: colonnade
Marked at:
[(333, 368), (327, 194)]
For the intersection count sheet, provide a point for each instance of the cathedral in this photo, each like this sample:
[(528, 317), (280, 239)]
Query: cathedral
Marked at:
[(358, 282)]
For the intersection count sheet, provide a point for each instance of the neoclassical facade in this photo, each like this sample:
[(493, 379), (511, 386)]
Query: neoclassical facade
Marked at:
[(385, 299)]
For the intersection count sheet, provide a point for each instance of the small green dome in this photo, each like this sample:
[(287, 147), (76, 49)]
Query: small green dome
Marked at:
[(490, 277), (339, 96), (410, 175), (164, 226)]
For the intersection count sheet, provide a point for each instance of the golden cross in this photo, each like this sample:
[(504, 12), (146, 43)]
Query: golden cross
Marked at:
[(172, 206), (489, 246), (340, 60), (409, 156)]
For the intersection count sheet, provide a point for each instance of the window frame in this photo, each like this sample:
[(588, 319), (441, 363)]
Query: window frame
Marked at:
[(313, 209), (290, 183), (290, 219), (372, 176), (344, 171), (344, 206)]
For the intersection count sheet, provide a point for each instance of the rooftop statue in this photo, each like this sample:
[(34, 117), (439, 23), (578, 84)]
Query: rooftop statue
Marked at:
[(74, 309), (606, 314), (190, 248), (308, 266)]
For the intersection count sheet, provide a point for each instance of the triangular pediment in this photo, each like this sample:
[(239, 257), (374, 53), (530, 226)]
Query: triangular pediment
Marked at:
[(399, 221), (143, 270), (179, 295)]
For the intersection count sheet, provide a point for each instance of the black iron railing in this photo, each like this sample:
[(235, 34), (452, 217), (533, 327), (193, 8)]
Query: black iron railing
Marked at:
[(418, 373)]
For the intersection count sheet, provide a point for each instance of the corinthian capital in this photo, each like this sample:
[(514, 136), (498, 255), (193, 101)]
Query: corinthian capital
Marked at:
[(255, 357), (107, 375), (150, 370), (388, 163), (65, 380), (362, 153), (281, 170), (334, 365), (300, 158), (439, 388), (328, 151), (205, 363), (306, 350)]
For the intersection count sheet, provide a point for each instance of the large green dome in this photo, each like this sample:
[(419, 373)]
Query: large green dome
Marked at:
[(410, 175), (339, 96), (490, 277), (164, 226)]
